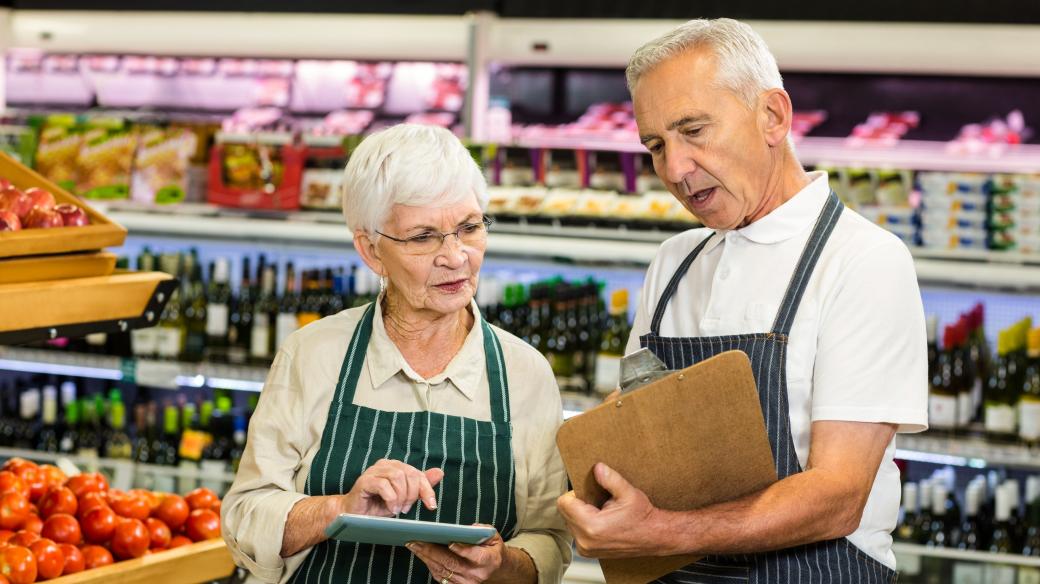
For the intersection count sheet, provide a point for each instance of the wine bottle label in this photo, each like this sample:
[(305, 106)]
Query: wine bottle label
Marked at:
[(968, 573), (259, 345), (964, 408), (285, 325), (144, 340), (942, 411), (168, 342), (1000, 574), (1029, 420), (1028, 575), (608, 373), (216, 320), (1000, 418)]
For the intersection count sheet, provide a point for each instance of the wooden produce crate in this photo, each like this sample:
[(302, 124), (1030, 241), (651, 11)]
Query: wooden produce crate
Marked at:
[(134, 299), (99, 234), (191, 564), (56, 267)]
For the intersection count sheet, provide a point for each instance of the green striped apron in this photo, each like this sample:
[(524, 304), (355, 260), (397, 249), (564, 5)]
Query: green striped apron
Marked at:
[(476, 457)]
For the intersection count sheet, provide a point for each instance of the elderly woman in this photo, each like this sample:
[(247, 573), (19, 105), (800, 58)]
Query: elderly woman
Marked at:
[(413, 406)]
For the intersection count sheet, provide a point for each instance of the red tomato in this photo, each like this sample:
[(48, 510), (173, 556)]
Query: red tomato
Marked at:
[(88, 501), (24, 538), (201, 498), (130, 539), (34, 524), (129, 505), (95, 556), (32, 477), (52, 475), (98, 525), (74, 561), (153, 500), (178, 541), (58, 500), (173, 511), (5, 536), (49, 559), (62, 528), (82, 484), (12, 464), (12, 482), (159, 533), (18, 564), (14, 510), (203, 524), (101, 480), (4, 580)]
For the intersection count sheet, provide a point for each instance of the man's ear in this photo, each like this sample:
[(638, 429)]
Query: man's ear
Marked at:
[(776, 115), (366, 248)]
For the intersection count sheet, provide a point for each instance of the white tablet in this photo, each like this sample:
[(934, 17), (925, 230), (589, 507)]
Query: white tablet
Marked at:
[(390, 531)]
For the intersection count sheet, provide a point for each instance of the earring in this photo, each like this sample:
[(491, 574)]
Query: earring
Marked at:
[(382, 284)]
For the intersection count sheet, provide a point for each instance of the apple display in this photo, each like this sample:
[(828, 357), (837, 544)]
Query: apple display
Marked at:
[(14, 200), (40, 218), (41, 198), (9, 221), (72, 215)]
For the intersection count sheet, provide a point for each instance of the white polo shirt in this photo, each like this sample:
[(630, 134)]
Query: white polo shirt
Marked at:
[(858, 348)]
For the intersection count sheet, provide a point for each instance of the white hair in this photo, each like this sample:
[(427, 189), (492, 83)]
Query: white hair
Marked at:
[(744, 64), (408, 164)]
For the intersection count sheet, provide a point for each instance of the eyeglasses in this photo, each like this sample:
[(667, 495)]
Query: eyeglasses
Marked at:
[(429, 242)]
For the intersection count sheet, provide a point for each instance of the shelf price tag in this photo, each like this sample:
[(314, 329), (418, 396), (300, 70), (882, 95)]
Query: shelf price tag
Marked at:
[(128, 368), (157, 374)]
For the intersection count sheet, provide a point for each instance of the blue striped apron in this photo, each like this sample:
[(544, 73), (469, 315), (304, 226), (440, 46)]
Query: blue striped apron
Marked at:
[(834, 561), (476, 456)]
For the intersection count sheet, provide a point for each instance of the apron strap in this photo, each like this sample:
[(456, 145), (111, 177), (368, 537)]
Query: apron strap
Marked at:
[(673, 284), (354, 360), (498, 381), (825, 224)]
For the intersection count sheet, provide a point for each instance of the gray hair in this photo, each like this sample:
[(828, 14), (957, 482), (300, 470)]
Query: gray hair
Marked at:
[(408, 164), (744, 64)]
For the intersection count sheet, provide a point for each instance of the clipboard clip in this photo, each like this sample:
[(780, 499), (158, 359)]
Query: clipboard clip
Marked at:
[(639, 369)]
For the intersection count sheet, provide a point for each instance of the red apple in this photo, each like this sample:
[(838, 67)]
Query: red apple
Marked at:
[(41, 198), (14, 200), (9, 221), (72, 215), (40, 218)]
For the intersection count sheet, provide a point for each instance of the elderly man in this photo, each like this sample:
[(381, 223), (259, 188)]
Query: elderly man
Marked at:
[(825, 304)]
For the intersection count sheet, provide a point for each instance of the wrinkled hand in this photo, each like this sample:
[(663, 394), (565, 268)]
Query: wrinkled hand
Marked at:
[(390, 487), (461, 563), (621, 528)]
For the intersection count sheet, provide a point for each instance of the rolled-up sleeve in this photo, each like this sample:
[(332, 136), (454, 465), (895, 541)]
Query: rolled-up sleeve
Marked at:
[(542, 532), (254, 511)]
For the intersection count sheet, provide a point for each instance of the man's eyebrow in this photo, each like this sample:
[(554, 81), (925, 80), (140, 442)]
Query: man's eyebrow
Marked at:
[(697, 119), (691, 119)]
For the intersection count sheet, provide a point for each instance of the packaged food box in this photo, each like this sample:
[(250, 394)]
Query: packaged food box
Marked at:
[(106, 157), (953, 182), (57, 153), (160, 172)]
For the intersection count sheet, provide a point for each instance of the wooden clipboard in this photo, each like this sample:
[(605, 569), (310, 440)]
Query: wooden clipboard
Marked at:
[(691, 439)]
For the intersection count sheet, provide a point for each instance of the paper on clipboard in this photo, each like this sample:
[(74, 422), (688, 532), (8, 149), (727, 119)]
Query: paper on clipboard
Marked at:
[(693, 438)]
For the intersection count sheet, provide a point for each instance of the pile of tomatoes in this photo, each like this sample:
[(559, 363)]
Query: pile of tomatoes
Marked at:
[(52, 525)]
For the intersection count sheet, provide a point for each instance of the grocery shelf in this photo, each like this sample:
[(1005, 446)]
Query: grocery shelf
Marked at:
[(813, 151), (554, 242), (970, 451), (75, 307), (912, 549), (149, 372)]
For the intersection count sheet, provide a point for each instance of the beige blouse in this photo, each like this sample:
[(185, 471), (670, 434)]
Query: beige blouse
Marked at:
[(285, 434)]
